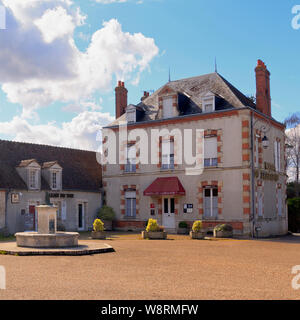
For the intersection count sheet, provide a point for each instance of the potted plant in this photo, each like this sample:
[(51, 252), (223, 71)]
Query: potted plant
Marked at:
[(107, 215), (182, 227), (154, 231), (223, 231), (98, 232), (197, 232)]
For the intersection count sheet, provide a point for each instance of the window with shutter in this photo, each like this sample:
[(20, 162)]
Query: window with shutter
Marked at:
[(168, 107), (210, 152), (131, 159), (167, 154)]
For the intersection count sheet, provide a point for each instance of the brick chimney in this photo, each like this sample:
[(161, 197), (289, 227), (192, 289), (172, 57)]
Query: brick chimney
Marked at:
[(121, 99), (146, 95), (263, 95)]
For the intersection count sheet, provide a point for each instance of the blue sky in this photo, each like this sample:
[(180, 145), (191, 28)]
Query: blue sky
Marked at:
[(187, 36)]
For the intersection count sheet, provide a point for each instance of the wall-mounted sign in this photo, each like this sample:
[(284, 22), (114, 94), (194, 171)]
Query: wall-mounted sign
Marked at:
[(265, 175), (61, 195), (152, 205), (15, 198), (188, 208), (269, 166)]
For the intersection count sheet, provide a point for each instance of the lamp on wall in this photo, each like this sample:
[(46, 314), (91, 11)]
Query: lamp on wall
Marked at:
[(265, 142)]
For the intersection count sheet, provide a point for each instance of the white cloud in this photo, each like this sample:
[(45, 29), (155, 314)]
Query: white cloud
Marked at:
[(80, 133), (55, 23), (43, 64)]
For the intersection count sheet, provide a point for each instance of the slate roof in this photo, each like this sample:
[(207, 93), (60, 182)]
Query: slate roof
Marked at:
[(81, 171), (191, 91)]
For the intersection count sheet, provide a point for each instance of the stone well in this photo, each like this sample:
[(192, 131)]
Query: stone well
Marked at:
[(47, 236)]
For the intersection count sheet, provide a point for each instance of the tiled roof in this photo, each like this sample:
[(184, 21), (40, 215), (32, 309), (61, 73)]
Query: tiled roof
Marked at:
[(81, 171), (195, 88)]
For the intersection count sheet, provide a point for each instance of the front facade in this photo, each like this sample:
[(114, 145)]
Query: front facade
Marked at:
[(31, 175), (237, 178)]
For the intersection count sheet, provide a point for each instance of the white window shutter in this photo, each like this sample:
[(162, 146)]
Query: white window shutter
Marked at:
[(210, 148), (168, 107)]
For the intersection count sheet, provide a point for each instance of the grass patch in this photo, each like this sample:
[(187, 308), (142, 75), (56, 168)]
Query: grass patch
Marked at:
[(7, 238)]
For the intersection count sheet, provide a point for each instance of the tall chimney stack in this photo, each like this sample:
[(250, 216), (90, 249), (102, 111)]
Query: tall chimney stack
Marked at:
[(121, 99), (263, 95)]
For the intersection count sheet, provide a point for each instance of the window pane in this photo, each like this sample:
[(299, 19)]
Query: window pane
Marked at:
[(172, 200), (214, 162), (166, 206), (215, 192), (207, 192), (206, 162)]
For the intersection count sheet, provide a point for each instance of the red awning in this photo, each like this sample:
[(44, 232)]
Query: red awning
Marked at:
[(165, 186)]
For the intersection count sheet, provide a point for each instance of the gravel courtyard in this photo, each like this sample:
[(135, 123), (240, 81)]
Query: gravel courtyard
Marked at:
[(172, 269)]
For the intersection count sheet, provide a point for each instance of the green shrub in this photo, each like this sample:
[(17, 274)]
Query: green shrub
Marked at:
[(152, 226), (197, 226), (183, 224), (106, 213), (98, 225), (224, 227)]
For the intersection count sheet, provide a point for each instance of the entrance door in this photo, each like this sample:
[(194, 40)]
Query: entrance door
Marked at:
[(169, 213), (80, 216)]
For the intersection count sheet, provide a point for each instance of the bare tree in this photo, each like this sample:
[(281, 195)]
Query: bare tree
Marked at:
[(293, 147)]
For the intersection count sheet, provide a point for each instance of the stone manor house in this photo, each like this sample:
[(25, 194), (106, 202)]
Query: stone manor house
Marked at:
[(243, 182)]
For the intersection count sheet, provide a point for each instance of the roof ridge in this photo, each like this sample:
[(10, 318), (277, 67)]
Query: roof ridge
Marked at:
[(44, 145), (228, 84), (206, 74)]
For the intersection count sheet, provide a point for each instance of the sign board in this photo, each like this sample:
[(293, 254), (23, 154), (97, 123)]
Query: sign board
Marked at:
[(15, 198), (188, 208)]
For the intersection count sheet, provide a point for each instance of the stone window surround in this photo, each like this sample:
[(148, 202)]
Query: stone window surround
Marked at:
[(201, 187), (123, 189)]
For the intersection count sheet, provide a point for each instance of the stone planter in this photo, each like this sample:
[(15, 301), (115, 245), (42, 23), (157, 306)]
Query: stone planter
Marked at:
[(108, 225), (98, 235), (223, 234), (159, 235), (197, 235), (182, 230)]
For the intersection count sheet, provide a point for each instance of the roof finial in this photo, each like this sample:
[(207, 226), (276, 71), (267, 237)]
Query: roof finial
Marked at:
[(169, 74), (216, 67)]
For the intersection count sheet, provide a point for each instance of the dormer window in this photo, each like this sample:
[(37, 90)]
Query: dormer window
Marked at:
[(168, 107), (55, 179), (131, 113), (52, 173), (208, 102), (33, 178)]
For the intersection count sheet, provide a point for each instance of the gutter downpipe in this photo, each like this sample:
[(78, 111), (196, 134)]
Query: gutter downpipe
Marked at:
[(252, 179)]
